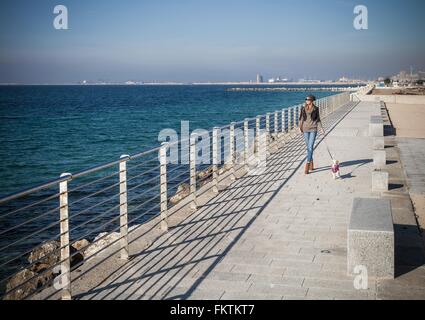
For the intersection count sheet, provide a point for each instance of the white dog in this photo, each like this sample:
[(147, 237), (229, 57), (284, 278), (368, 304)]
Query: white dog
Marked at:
[(335, 169)]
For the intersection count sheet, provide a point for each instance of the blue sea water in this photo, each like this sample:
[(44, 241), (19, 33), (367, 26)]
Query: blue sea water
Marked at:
[(48, 130)]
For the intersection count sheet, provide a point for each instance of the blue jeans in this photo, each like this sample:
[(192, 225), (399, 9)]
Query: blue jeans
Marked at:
[(310, 138)]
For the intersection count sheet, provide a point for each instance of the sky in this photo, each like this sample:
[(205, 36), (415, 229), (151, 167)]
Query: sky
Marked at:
[(200, 40)]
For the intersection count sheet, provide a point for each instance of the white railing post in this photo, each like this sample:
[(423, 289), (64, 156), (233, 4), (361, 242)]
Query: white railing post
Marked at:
[(163, 186), (232, 150), (286, 120), (257, 134), (64, 239), (297, 111), (246, 143), (124, 253), (293, 118), (193, 204), (276, 123), (283, 120), (328, 103), (267, 131), (289, 119), (289, 115), (216, 131)]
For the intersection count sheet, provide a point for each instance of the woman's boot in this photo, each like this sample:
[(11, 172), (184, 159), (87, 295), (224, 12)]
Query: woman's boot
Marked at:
[(311, 166), (307, 167)]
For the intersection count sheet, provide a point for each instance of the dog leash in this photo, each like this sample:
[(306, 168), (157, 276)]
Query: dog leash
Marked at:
[(327, 148)]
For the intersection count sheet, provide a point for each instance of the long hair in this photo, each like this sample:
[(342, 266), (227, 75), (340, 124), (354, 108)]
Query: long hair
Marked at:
[(315, 115)]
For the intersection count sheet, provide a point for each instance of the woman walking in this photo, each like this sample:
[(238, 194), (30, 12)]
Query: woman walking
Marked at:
[(309, 122)]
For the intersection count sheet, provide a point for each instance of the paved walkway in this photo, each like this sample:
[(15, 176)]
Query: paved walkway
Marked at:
[(279, 235)]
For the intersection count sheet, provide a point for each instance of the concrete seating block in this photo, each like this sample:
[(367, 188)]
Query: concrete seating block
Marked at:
[(379, 181), (378, 143), (379, 159), (376, 126), (371, 238)]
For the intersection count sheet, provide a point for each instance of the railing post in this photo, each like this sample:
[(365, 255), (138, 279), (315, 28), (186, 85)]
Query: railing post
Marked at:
[(289, 119), (124, 253), (163, 186), (267, 131), (276, 123), (297, 110), (216, 131), (64, 239), (257, 134), (246, 143), (293, 118), (328, 103), (286, 120), (232, 154), (283, 120), (193, 204)]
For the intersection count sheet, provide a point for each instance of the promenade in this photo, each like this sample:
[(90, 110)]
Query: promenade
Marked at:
[(278, 235)]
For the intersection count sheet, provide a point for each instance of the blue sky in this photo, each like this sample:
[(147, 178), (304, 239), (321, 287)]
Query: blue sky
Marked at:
[(200, 40)]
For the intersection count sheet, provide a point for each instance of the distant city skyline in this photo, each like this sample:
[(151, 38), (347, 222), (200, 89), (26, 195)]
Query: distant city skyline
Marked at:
[(215, 41)]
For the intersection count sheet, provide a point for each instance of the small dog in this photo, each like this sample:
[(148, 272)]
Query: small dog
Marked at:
[(335, 169)]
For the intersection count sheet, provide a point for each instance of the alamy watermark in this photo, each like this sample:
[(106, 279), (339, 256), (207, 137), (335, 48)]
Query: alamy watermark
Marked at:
[(235, 145), (60, 22), (362, 16), (361, 280)]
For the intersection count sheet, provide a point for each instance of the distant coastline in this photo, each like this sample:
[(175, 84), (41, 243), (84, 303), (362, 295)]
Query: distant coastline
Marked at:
[(326, 83)]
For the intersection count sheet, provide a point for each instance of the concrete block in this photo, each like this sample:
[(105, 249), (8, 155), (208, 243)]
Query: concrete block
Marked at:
[(371, 238), (376, 126), (378, 143), (379, 181), (379, 159)]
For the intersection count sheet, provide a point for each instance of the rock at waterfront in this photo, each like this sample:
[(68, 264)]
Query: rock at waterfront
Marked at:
[(205, 174), (81, 246), (103, 240), (46, 254), (44, 266), (182, 192), (21, 280)]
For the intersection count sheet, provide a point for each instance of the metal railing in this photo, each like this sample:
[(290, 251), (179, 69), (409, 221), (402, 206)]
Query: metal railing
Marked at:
[(46, 226)]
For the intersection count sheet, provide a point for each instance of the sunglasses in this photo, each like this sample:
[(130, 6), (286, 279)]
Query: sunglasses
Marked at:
[(308, 100)]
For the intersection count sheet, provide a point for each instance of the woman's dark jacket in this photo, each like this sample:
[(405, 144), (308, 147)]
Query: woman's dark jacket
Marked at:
[(315, 115)]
